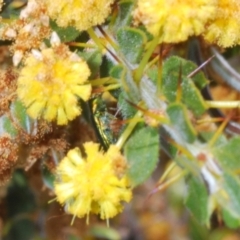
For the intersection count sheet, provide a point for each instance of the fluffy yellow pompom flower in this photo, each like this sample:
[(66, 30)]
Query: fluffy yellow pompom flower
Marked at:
[(81, 14), (224, 30), (174, 20), (95, 183), (51, 82)]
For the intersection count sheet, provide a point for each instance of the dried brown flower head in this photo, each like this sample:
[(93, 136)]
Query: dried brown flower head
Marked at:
[(28, 31), (8, 157), (8, 87)]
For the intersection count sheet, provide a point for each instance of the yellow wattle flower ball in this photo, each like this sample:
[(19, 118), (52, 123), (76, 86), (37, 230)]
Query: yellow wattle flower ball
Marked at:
[(174, 20), (81, 14), (51, 82), (224, 29), (93, 183)]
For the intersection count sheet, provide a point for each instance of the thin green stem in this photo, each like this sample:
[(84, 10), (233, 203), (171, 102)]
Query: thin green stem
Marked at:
[(183, 150), (152, 62), (211, 120), (218, 132), (95, 38), (171, 181), (82, 45), (223, 104), (108, 39), (112, 87), (165, 174), (127, 132), (102, 81), (159, 78), (144, 62), (52, 200)]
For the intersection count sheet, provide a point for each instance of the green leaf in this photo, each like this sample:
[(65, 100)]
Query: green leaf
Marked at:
[(180, 119), (93, 59), (197, 231), (117, 71), (67, 34), (172, 64), (153, 73), (124, 16), (128, 84), (231, 186), (142, 151), (166, 145), (131, 42), (48, 177), (20, 115), (7, 126), (104, 232), (228, 154), (191, 96), (130, 87), (230, 220), (126, 109), (21, 118), (197, 199), (106, 66)]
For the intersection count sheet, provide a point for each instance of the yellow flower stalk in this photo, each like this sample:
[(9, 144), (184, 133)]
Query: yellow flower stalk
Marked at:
[(79, 13), (51, 82), (96, 183), (224, 29), (174, 20)]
